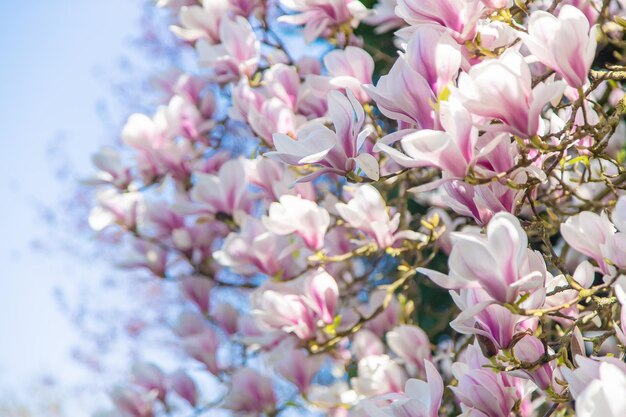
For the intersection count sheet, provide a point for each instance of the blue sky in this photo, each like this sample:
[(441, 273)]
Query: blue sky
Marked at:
[(51, 55)]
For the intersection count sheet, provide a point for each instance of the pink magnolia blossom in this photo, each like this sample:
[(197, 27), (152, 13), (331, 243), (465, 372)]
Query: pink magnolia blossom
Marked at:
[(123, 209), (484, 393), (246, 8), (497, 4), (112, 170), (596, 385), (251, 393), (404, 95), (366, 343), (224, 193), (322, 294), (350, 68), (420, 398), (236, 56), (287, 312), (434, 54), (254, 249), (378, 375), (564, 43), (499, 262), (189, 324), (297, 366), (458, 16), (318, 16), (226, 317), (588, 232), (411, 344), (151, 378), (203, 348), (276, 180), (184, 386), (185, 119), (273, 116), (132, 402), (201, 22), (244, 98), (336, 152), (144, 254), (453, 150), (530, 349), (494, 324), (283, 82), (384, 16), (481, 202), (367, 212), (305, 218), (620, 293), (502, 89), (197, 289)]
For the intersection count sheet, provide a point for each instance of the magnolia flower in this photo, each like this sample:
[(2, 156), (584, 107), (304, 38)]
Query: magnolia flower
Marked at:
[(405, 95), (305, 218), (224, 193), (132, 402), (201, 22), (112, 170), (287, 312), (350, 68), (151, 378), (499, 262), (185, 119), (411, 344), (144, 254), (497, 4), (420, 398), (238, 53), (322, 294), (336, 152), (250, 394), (197, 289), (620, 292), (378, 375), (564, 43), (366, 344), (452, 150), (482, 391), (494, 324), (434, 54), (458, 16), (530, 349), (276, 180), (318, 16), (273, 116), (123, 209), (588, 232), (367, 212), (384, 17), (598, 386), (502, 89), (189, 324), (481, 202), (184, 386), (254, 249), (226, 317), (246, 7), (297, 366), (203, 348)]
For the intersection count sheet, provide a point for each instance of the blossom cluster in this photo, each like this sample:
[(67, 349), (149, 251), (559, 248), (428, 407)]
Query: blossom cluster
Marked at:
[(436, 227)]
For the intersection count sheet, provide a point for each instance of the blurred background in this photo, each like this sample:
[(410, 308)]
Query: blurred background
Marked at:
[(70, 72)]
